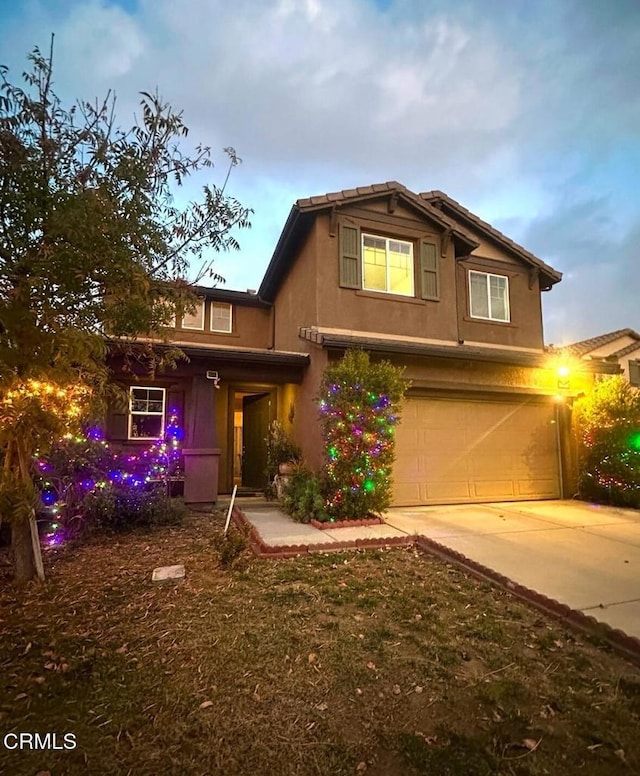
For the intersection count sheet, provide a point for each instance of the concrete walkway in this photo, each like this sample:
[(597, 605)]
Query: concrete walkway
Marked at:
[(582, 555)]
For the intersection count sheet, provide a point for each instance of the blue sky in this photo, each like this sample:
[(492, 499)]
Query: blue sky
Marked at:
[(525, 111)]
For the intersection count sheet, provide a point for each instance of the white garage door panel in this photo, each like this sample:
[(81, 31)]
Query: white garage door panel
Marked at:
[(460, 450)]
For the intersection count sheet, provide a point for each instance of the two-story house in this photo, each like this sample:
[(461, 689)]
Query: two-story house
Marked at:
[(413, 278)]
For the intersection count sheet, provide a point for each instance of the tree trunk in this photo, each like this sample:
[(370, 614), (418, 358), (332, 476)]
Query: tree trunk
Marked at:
[(25, 543), (24, 564)]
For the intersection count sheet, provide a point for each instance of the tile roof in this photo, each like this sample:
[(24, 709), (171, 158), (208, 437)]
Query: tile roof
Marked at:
[(375, 190), (437, 197), (627, 350), (584, 347), (340, 196)]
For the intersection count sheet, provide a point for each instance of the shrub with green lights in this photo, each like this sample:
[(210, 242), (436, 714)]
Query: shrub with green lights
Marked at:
[(607, 423), (359, 409)]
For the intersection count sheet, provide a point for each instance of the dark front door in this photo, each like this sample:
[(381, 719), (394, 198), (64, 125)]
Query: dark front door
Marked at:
[(256, 415)]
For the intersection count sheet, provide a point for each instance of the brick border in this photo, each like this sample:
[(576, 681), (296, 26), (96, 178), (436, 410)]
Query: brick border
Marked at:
[(365, 521), (620, 642), (625, 645)]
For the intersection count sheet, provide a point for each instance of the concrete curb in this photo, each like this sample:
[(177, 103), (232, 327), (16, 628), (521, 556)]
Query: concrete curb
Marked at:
[(626, 646)]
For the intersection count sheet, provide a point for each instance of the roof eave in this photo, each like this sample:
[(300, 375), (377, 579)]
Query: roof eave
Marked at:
[(488, 355)]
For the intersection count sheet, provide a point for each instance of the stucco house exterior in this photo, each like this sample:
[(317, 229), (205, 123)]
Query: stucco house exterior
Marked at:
[(413, 278), (621, 346)]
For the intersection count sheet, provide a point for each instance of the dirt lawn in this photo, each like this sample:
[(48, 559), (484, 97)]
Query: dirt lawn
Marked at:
[(374, 662)]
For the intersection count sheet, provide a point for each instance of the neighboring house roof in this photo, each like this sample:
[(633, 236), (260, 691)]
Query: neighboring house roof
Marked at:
[(628, 350), (584, 347), (304, 211), (389, 346), (441, 200)]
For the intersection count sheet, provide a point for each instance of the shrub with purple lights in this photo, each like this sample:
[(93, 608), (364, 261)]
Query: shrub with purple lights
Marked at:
[(359, 409), (84, 483), (607, 423)]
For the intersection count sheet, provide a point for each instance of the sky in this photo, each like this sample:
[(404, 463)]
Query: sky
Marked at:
[(525, 111)]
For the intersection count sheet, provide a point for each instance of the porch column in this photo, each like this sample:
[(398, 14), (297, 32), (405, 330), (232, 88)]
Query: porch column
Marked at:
[(202, 454)]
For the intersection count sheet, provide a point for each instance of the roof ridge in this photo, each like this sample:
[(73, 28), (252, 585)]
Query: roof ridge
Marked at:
[(583, 347), (465, 212)]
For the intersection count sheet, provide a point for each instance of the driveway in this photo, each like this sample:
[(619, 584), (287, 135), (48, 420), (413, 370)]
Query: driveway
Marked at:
[(582, 555)]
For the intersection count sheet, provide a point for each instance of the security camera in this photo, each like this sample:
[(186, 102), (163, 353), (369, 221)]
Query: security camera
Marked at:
[(213, 375)]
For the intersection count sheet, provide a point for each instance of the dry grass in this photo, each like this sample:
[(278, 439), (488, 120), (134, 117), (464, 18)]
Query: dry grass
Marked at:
[(379, 662)]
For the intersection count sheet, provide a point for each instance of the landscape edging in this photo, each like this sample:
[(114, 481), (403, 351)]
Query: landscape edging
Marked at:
[(622, 643)]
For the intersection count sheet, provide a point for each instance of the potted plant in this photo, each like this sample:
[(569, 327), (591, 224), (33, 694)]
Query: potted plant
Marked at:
[(282, 456), (280, 449)]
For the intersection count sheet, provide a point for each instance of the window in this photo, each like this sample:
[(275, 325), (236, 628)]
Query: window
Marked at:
[(194, 320), (634, 373), (221, 317), (146, 415), (489, 296), (387, 265)]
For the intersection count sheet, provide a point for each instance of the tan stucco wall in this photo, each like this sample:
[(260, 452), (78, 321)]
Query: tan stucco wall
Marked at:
[(345, 308), (525, 327), (296, 302), (306, 427), (471, 375), (311, 294), (251, 329)]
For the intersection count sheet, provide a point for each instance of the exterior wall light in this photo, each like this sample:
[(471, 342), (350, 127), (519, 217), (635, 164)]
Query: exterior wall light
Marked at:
[(564, 381)]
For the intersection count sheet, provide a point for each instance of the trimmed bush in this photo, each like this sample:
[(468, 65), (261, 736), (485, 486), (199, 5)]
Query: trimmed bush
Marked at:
[(304, 498), (359, 409)]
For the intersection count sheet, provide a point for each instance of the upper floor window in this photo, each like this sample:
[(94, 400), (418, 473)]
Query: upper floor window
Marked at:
[(221, 318), (387, 265), (634, 372), (146, 412), (489, 296), (194, 320)]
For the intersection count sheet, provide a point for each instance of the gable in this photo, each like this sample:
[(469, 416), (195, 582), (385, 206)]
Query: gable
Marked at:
[(435, 210), (389, 203)]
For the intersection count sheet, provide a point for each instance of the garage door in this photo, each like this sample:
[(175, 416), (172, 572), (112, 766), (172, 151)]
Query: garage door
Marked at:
[(464, 450)]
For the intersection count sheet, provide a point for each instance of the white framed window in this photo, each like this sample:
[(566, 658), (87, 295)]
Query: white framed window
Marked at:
[(387, 265), (146, 412), (221, 317), (489, 296), (195, 320)]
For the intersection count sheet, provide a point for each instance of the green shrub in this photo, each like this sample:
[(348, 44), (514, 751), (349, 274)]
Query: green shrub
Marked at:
[(359, 409), (303, 497), (121, 507), (607, 424), (84, 485), (232, 546)]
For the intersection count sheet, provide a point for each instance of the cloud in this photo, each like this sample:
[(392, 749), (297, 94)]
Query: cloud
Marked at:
[(524, 112)]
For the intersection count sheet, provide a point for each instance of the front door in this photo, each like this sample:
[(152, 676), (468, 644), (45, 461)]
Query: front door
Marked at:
[(256, 415)]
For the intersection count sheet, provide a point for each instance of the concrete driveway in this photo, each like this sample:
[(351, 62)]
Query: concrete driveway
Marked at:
[(582, 555)]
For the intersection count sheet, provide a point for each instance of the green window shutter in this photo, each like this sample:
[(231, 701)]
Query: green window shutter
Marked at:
[(350, 265), (429, 271), (634, 372)]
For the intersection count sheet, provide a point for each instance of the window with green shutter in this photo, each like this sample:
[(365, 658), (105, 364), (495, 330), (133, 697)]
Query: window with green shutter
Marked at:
[(375, 263), (387, 265), (634, 373)]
